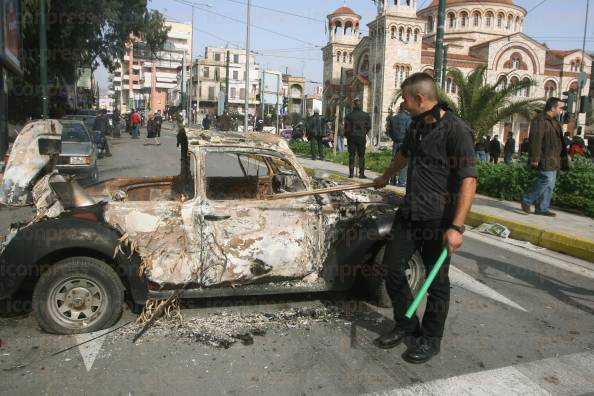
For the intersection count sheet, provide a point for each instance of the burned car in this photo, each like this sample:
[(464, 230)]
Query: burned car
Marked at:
[(212, 230)]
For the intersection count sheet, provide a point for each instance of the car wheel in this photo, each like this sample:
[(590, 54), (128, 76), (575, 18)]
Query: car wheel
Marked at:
[(94, 176), (78, 295), (415, 273)]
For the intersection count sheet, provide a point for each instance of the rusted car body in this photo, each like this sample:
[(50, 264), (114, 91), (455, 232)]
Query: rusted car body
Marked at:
[(210, 229)]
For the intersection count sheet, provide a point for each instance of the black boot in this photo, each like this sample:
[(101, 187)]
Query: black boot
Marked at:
[(423, 350), (394, 337)]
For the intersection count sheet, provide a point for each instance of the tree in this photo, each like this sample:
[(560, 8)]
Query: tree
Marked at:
[(482, 105), (79, 34)]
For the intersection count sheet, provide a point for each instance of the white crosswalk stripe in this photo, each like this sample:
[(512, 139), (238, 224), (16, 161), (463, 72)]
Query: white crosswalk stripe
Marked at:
[(566, 375)]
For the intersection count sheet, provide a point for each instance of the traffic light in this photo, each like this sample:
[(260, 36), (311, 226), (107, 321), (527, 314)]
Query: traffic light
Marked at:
[(569, 99)]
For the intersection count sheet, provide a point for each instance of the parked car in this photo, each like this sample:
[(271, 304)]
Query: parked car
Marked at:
[(210, 231), (79, 152), (88, 120)]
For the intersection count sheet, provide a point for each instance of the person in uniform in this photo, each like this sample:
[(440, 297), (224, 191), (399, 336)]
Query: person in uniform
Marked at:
[(356, 126), (315, 133), (442, 179)]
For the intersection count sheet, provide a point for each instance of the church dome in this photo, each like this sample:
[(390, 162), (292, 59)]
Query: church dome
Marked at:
[(435, 3), (344, 11)]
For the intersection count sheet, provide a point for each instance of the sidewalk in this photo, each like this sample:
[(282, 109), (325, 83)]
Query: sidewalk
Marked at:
[(567, 233)]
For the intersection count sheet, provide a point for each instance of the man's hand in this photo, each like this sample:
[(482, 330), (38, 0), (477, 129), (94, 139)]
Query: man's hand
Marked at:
[(381, 182), (452, 239)]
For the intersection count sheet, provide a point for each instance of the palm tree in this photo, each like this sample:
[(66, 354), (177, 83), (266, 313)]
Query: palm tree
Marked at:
[(482, 105)]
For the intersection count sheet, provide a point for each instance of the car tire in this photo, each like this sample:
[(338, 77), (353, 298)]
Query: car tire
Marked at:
[(78, 295), (94, 176), (376, 283)]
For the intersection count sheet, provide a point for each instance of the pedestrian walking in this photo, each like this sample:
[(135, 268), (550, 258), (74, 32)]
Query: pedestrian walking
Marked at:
[(135, 122), (481, 148), (439, 151), (488, 145), (315, 134), (206, 123), (151, 129), (399, 125), (158, 125), (509, 149), (356, 126), (494, 149), (545, 154)]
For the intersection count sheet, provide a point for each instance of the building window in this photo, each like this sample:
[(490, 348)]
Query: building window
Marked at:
[(408, 34), (344, 57), (464, 19), (217, 57), (206, 72), (430, 24), (489, 19), (211, 93), (236, 58), (242, 93), (451, 86), (393, 32), (499, 21), (351, 57), (513, 82), (477, 19), (401, 34), (233, 93), (501, 83), (526, 88), (236, 74), (338, 56), (509, 22), (550, 89), (451, 20), (401, 73), (416, 35)]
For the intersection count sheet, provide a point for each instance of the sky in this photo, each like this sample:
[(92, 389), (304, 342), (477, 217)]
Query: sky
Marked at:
[(294, 43)]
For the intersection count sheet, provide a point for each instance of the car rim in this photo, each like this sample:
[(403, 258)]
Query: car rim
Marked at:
[(77, 302), (412, 273)]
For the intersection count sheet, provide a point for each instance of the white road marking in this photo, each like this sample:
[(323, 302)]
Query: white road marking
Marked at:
[(553, 376), (557, 260), (90, 350), (467, 282)]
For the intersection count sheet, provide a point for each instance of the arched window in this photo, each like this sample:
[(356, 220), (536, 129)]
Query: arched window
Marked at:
[(429, 72), (527, 87), (464, 19), (338, 28), (338, 56), (401, 34), (500, 20), (393, 32), (514, 81), (489, 19), (351, 57), (416, 35), (344, 57), (408, 34), (476, 19), (550, 89), (430, 24), (451, 87), (501, 83), (364, 68), (348, 28), (517, 27), (397, 77), (510, 19), (573, 86), (451, 20)]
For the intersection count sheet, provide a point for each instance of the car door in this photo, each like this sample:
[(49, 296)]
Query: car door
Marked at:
[(246, 237)]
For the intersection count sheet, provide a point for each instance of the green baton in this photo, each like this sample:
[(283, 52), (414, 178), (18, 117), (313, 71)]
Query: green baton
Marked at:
[(415, 304)]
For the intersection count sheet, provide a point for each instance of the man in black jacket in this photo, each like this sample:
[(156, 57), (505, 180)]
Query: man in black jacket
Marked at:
[(495, 149), (356, 126), (315, 134), (509, 149), (101, 124)]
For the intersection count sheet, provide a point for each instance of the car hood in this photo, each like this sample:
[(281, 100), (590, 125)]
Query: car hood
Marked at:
[(77, 148), (26, 165)]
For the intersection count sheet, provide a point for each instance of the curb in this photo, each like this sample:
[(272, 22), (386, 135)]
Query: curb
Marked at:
[(555, 241)]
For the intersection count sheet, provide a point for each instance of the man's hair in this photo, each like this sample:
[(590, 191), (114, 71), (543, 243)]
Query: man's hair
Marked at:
[(402, 106), (420, 83), (551, 102)]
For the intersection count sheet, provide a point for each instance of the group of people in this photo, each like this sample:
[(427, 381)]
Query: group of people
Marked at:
[(489, 149), (153, 126)]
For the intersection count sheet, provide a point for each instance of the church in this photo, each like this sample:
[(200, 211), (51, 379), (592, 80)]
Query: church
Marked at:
[(401, 41)]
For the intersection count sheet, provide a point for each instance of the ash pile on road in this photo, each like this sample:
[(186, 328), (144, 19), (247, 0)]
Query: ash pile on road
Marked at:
[(223, 329)]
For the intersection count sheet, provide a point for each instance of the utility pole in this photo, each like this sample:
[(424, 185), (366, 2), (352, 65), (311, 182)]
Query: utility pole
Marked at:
[(183, 81), (581, 81), (340, 117), (278, 82), (373, 68), (247, 69), (43, 60), (438, 66), (227, 81), (444, 72), (191, 72)]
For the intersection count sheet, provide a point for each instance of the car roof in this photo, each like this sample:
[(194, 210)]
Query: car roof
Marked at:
[(200, 138)]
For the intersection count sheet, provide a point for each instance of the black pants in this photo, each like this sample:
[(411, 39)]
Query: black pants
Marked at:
[(494, 158), (356, 147), (406, 238), (313, 140)]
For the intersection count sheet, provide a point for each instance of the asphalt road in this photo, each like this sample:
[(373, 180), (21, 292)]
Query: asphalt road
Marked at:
[(520, 322)]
